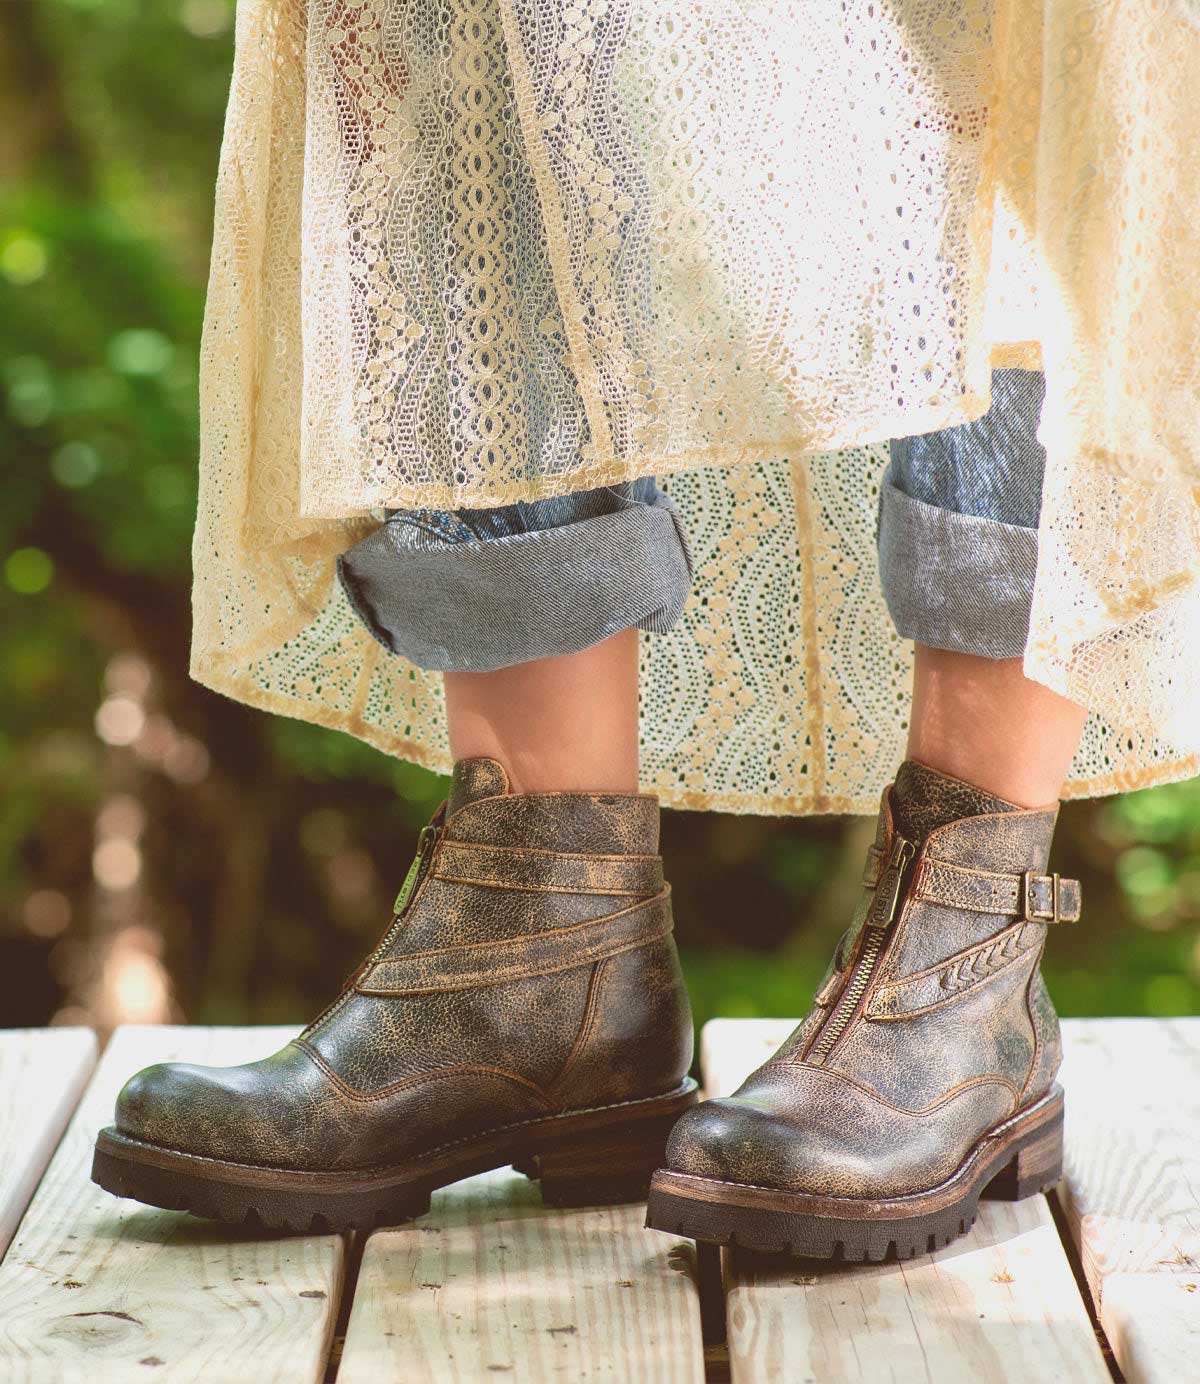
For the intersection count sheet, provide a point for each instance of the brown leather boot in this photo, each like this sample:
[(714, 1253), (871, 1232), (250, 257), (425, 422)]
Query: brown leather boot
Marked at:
[(924, 1072), (525, 1006)]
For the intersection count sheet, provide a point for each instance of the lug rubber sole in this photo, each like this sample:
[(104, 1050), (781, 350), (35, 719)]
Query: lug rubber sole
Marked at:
[(592, 1157), (1017, 1159)]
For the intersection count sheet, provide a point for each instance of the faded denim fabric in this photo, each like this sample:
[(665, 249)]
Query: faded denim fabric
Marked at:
[(958, 516), (475, 590)]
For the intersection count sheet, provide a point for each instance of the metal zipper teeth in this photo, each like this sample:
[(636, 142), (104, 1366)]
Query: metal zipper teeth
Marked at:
[(874, 936), (416, 873), (853, 993), (408, 890)]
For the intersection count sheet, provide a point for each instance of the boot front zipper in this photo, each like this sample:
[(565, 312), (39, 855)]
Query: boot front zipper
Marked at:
[(426, 841), (887, 898), (425, 844)]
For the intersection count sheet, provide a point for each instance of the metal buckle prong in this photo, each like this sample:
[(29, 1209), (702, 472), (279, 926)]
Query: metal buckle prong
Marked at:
[(1035, 915)]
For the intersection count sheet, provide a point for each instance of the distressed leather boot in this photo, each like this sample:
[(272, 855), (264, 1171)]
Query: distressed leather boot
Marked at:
[(525, 1006), (924, 1072)]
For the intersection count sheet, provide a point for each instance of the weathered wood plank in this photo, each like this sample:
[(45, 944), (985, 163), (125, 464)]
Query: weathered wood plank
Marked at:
[(42, 1073), (1152, 1323), (1131, 1186), (491, 1285), (999, 1304), (99, 1289)]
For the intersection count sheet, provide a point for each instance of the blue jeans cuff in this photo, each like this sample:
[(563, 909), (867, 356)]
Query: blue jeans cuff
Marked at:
[(454, 602), (955, 581)]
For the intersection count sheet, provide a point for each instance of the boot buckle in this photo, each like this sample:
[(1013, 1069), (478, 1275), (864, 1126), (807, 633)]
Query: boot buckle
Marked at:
[(1030, 910)]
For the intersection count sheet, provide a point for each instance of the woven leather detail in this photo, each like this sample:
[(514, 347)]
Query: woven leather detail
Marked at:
[(984, 891), (551, 872), (515, 958), (938, 985)]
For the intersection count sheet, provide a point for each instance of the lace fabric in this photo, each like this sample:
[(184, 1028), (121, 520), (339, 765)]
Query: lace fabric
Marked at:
[(472, 252)]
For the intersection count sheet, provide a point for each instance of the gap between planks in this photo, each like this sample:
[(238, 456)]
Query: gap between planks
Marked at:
[(492, 1285), (101, 1289), (42, 1074), (1129, 1194), (1131, 1186), (488, 1283)]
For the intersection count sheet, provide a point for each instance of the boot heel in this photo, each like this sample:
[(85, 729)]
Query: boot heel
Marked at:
[(1035, 1167), (606, 1168)]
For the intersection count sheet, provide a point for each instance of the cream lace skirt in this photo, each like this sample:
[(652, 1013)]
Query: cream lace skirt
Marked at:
[(475, 251)]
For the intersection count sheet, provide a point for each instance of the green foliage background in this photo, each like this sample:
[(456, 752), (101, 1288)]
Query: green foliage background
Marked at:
[(266, 851)]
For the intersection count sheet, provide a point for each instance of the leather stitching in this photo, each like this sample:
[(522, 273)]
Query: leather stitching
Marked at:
[(686, 1087), (616, 799), (1037, 1035), (525, 887), (957, 974), (538, 852), (1009, 1121), (539, 953), (838, 1076), (550, 872), (352, 1093), (591, 1009)]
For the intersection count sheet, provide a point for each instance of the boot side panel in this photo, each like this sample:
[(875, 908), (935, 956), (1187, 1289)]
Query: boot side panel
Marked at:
[(592, 823), (526, 1026), (912, 1062), (637, 1038), (1048, 1056)]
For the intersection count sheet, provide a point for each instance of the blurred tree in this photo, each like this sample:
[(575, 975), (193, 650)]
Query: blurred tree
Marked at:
[(147, 821)]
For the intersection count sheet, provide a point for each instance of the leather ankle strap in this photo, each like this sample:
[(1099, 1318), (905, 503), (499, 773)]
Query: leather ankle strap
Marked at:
[(1034, 897), (477, 964), (548, 872)]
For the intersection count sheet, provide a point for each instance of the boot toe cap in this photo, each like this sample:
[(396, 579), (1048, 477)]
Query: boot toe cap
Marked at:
[(808, 1130), (738, 1139), (166, 1104), (258, 1113)]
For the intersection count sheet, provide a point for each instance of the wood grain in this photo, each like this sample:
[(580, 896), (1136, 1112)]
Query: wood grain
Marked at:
[(42, 1073), (1131, 1186), (99, 1289), (998, 1305), (491, 1285)]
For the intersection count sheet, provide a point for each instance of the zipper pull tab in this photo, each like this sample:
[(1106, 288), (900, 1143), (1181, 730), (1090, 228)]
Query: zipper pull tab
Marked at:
[(424, 844), (888, 896)]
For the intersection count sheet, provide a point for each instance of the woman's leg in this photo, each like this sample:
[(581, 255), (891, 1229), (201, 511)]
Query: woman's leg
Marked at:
[(958, 556), (983, 721), (531, 612), (526, 1003), (556, 724)]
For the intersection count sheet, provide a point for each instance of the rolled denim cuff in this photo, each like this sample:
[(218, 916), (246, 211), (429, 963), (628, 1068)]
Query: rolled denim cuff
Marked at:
[(455, 604), (955, 581)]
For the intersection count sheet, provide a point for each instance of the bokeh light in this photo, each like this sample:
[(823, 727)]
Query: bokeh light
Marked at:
[(46, 913), (119, 720)]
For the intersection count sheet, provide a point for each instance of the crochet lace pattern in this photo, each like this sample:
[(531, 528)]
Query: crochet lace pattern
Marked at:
[(474, 251)]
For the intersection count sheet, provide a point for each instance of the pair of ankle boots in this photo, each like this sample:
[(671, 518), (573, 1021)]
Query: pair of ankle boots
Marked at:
[(526, 1006)]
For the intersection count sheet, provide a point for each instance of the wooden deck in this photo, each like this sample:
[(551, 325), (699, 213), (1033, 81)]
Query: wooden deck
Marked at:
[(1100, 1281)]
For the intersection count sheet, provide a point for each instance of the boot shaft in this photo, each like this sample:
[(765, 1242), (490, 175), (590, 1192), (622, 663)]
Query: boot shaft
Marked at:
[(535, 938), (942, 958)]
